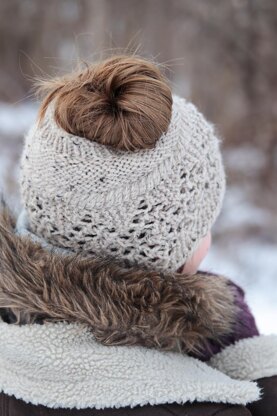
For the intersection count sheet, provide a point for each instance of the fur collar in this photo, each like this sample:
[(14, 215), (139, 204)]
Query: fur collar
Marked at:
[(122, 304)]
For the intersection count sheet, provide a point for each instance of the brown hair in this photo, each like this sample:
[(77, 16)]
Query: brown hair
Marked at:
[(124, 101)]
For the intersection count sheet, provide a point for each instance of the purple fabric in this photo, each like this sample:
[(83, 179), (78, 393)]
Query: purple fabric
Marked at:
[(244, 327)]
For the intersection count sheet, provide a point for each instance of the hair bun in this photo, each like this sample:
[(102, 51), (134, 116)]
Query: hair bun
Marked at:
[(124, 102)]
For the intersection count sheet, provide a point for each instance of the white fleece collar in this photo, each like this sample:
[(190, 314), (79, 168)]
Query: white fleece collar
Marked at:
[(249, 359), (61, 365)]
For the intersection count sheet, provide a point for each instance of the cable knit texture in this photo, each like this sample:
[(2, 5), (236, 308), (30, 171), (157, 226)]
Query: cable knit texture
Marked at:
[(150, 206)]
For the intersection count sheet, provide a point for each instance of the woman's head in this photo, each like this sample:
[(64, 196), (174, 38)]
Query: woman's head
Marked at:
[(117, 165)]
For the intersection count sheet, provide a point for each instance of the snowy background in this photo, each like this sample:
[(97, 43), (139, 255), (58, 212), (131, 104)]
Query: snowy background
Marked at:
[(229, 70)]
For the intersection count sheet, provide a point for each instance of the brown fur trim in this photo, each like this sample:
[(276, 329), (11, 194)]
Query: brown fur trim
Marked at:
[(122, 305)]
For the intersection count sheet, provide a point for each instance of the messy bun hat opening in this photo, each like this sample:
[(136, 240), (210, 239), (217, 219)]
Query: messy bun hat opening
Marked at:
[(118, 166)]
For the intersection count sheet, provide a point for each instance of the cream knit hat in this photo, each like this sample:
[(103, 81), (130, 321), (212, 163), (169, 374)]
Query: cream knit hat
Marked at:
[(149, 206)]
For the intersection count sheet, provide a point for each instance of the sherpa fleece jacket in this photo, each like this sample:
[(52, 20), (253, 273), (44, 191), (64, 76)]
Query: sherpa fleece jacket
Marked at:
[(80, 332)]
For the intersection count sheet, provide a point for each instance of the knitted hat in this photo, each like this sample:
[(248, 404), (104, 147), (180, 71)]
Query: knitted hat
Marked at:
[(152, 206)]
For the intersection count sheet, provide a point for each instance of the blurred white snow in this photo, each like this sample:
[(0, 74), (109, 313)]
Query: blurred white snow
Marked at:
[(15, 119)]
